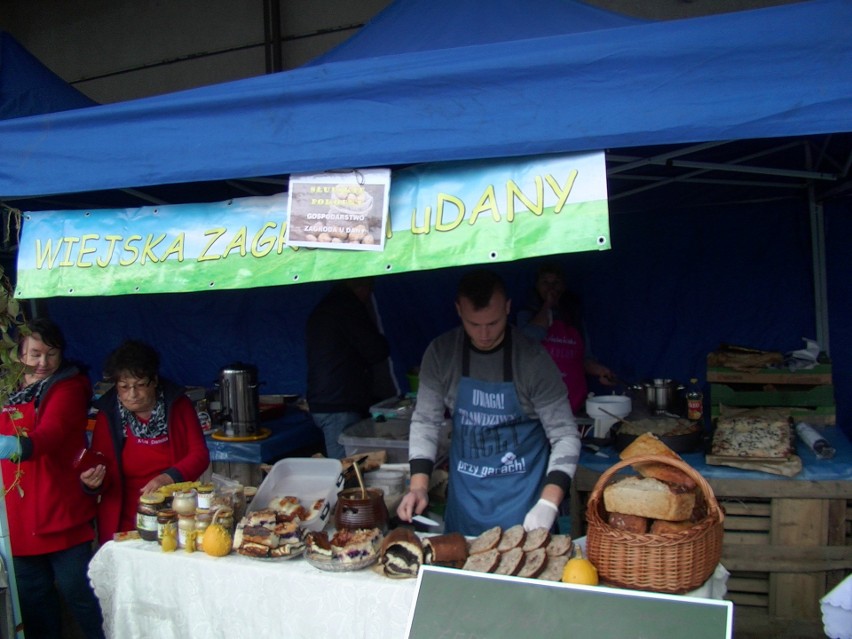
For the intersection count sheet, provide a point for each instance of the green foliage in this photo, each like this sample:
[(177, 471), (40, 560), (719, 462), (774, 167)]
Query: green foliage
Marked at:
[(12, 323)]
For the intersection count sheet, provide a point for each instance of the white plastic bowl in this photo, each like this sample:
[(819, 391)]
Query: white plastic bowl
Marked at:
[(618, 405)]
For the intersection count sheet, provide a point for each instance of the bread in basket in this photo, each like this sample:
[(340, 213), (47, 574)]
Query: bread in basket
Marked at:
[(670, 562)]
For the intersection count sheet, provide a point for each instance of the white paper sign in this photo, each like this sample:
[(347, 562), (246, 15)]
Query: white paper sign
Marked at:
[(339, 210)]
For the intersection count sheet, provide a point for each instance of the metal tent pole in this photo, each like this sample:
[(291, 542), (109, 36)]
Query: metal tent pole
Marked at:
[(817, 218)]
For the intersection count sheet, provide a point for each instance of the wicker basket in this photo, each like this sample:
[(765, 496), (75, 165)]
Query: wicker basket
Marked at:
[(672, 563)]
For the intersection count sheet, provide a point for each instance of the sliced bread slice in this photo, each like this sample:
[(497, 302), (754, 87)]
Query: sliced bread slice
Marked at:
[(488, 540), (512, 538)]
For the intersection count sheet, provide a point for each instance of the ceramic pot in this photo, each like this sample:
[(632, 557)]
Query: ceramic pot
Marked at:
[(354, 511)]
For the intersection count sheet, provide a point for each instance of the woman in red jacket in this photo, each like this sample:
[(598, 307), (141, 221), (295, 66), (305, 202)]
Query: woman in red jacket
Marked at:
[(149, 432), (42, 428)]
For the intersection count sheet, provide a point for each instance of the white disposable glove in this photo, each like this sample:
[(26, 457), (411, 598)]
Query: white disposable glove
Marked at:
[(542, 515)]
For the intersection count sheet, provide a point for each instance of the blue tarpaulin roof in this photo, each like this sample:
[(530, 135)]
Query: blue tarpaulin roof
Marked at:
[(677, 282), (780, 71), (27, 87)]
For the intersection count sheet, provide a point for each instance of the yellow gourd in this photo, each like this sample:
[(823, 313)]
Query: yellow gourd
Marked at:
[(580, 570), (169, 541), (217, 539)]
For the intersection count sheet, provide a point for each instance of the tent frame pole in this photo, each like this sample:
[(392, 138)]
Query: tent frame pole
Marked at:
[(817, 219)]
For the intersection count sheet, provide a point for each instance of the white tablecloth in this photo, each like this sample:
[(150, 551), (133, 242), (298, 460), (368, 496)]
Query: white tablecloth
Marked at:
[(145, 592)]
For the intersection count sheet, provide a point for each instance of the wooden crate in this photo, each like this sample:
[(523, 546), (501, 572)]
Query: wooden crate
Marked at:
[(819, 374), (809, 395)]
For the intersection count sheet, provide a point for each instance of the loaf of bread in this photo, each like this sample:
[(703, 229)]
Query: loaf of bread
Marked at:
[(648, 497), (661, 527), (630, 523), (650, 444), (448, 549)]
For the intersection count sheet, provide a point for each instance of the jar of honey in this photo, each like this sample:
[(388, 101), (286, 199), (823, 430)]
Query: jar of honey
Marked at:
[(185, 502), (202, 521), (146, 515), (166, 517), (186, 526), (205, 496)]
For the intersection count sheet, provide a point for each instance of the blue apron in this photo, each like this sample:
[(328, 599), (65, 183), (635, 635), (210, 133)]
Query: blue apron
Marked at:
[(498, 457)]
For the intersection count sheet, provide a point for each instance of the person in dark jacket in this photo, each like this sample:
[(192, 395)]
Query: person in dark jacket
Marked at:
[(348, 365), (149, 432), (42, 429)]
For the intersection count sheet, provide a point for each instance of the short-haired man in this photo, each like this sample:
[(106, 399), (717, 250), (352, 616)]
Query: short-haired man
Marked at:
[(515, 445)]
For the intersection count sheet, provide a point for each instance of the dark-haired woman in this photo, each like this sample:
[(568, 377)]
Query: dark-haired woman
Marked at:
[(552, 317), (42, 428), (149, 432)]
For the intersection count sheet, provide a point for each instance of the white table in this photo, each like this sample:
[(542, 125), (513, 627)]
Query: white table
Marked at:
[(145, 592)]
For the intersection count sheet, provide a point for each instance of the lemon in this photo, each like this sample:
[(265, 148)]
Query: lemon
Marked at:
[(580, 570), (217, 541)]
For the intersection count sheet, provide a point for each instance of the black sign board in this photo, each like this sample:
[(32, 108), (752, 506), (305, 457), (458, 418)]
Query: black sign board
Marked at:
[(454, 603)]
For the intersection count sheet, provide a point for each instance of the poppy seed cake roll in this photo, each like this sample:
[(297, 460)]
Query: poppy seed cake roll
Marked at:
[(402, 553), (448, 548)]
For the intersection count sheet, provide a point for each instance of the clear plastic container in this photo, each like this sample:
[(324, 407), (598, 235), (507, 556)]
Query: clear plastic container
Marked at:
[(391, 435)]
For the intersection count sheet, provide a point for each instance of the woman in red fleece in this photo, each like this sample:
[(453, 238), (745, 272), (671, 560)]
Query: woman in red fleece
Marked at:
[(149, 432), (42, 428)]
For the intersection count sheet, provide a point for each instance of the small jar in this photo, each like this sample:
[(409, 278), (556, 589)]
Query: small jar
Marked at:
[(205, 496), (186, 525), (185, 502), (225, 518), (166, 517), (202, 521), (146, 515)]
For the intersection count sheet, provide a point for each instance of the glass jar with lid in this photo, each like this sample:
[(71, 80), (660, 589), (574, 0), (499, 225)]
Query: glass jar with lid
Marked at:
[(202, 521), (166, 517), (225, 517), (186, 528), (146, 515), (185, 502), (205, 496)]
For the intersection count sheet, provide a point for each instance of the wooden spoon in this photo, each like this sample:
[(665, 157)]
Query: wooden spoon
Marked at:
[(360, 479), (621, 419)]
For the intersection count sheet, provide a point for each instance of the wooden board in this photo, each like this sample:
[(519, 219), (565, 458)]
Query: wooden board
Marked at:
[(820, 374), (787, 466)]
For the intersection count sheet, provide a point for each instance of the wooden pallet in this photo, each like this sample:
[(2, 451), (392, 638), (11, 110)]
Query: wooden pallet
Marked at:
[(808, 395)]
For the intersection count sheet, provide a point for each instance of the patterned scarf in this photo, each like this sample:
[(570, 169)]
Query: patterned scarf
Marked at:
[(28, 394), (156, 426)]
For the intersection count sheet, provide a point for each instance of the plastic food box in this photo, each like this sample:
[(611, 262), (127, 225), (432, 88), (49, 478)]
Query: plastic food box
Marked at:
[(309, 479), (393, 408), (369, 435)]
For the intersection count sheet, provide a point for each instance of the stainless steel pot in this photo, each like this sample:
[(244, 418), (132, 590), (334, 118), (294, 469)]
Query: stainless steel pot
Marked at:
[(663, 396), (238, 395)]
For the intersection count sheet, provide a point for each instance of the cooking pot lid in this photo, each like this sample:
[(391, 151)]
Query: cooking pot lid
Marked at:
[(237, 368)]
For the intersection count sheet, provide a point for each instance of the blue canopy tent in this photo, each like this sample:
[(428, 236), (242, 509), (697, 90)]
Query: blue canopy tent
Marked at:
[(27, 87), (710, 258)]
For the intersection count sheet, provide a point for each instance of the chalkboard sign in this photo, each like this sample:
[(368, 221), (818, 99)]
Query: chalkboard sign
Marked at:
[(456, 603)]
